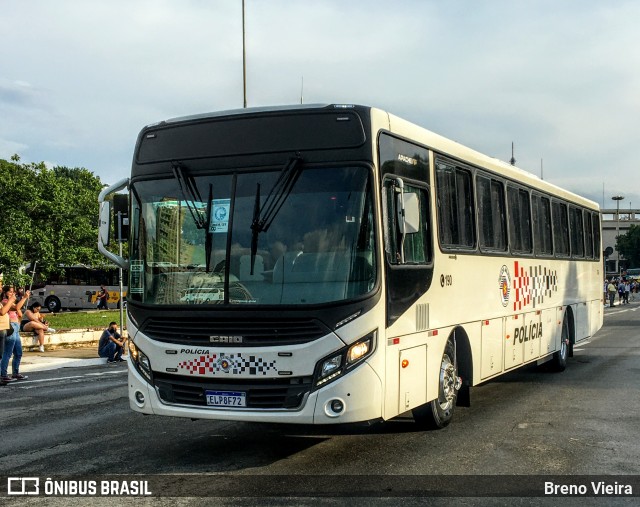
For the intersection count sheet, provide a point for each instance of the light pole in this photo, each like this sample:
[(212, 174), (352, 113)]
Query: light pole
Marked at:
[(244, 63), (617, 198)]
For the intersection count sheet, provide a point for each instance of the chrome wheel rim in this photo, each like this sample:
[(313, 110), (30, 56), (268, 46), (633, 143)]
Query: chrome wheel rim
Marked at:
[(448, 381)]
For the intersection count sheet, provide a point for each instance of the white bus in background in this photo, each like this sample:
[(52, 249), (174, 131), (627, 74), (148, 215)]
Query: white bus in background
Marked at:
[(76, 288), (337, 264)]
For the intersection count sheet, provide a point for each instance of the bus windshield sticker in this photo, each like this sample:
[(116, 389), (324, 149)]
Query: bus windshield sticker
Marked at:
[(220, 215), (136, 269)]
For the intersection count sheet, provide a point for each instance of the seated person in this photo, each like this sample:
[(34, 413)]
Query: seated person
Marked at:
[(35, 323), (111, 344)]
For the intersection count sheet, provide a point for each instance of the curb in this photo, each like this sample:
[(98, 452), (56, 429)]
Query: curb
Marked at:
[(64, 339)]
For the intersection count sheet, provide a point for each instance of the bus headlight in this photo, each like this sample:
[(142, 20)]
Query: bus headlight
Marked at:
[(330, 366), (358, 350), (133, 350), (343, 360), (140, 360)]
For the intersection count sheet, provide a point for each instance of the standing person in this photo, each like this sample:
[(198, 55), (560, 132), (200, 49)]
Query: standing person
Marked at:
[(12, 343), (627, 289), (620, 291), (5, 329), (111, 344), (611, 289), (35, 323), (103, 296)]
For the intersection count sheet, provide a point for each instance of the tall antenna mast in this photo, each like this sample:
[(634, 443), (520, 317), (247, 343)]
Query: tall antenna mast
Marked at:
[(541, 170), (513, 160), (302, 91), (244, 62)]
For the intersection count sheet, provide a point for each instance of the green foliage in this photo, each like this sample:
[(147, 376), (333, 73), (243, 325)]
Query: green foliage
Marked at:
[(84, 320), (629, 245), (49, 216)]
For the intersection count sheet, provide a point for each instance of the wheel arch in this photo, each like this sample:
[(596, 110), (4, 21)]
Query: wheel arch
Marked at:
[(464, 360), (570, 315)]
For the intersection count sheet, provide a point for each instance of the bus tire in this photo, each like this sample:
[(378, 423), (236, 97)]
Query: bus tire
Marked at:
[(438, 413), (53, 304), (559, 362)]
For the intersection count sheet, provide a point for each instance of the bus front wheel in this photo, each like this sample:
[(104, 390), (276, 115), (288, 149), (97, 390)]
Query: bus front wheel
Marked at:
[(438, 413), (53, 304)]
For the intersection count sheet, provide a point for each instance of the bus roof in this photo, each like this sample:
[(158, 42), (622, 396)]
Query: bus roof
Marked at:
[(409, 130)]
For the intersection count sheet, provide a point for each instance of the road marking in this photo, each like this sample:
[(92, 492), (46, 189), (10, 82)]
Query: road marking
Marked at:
[(55, 379), (620, 311)]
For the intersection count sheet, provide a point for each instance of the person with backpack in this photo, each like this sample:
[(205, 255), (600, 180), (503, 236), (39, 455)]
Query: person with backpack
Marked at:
[(103, 297)]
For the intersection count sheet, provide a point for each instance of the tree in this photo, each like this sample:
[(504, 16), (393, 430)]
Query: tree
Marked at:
[(629, 245), (48, 215)]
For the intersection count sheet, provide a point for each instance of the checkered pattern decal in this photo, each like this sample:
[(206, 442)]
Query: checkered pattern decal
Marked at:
[(236, 364), (531, 287)]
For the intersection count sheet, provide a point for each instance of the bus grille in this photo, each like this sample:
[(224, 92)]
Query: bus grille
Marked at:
[(277, 393), (242, 333)]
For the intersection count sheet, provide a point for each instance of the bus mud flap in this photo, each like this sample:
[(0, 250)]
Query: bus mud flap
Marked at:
[(464, 395)]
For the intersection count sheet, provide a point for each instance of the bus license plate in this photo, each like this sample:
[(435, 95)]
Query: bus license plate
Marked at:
[(226, 398)]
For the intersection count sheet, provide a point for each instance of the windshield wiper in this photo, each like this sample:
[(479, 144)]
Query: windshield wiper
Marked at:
[(208, 239), (190, 194), (264, 217)]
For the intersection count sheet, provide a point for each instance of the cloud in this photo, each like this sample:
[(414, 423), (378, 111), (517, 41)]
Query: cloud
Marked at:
[(559, 79)]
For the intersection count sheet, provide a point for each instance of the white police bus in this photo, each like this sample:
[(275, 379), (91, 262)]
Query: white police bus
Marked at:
[(334, 264)]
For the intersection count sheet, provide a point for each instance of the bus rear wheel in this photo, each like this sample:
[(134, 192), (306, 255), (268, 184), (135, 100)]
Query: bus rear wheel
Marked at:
[(53, 304), (438, 413)]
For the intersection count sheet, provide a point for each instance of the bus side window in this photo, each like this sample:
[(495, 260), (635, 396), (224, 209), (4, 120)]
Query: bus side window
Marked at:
[(560, 228), (456, 215), (492, 229), (520, 238), (577, 232), (588, 235), (542, 237)]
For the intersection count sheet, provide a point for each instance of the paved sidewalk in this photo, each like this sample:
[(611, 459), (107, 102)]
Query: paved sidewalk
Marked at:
[(60, 358)]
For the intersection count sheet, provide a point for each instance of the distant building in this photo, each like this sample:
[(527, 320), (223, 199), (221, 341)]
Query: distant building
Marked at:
[(609, 224)]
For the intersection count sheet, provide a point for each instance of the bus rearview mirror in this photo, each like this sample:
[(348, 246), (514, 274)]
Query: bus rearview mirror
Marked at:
[(105, 223), (408, 207)]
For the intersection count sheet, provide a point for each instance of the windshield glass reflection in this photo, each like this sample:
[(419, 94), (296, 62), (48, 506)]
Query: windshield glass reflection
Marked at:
[(319, 246)]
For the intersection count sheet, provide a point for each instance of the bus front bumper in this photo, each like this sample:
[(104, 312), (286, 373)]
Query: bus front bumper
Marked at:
[(356, 397)]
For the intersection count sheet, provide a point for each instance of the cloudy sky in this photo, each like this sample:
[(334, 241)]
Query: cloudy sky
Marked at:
[(559, 78)]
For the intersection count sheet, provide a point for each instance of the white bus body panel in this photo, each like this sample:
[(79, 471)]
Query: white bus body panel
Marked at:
[(360, 391)]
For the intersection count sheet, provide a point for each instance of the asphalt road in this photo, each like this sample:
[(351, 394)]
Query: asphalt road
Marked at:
[(584, 421)]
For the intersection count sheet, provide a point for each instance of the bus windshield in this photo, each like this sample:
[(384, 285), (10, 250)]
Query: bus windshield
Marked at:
[(193, 240)]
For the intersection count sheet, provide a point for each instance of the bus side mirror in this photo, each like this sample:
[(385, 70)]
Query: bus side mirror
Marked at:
[(408, 207), (104, 228), (105, 223)]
